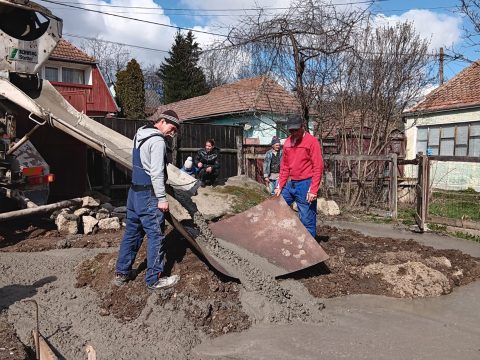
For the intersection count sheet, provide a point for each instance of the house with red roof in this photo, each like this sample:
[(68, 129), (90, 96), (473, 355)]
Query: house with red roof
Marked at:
[(77, 77), (259, 104), (447, 123)]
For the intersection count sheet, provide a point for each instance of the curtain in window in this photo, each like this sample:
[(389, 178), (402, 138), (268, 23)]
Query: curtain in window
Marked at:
[(51, 74), (73, 76)]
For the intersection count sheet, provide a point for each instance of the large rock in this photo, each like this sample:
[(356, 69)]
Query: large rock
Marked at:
[(67, 223), (107, 206), (102, 214), (411, 279), (109, 224), (327, 207), (120, 209), (82, 211), (89, 224), (89, 201)]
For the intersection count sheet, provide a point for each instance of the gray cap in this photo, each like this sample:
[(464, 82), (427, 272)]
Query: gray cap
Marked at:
[(170, 116), (294, 122)]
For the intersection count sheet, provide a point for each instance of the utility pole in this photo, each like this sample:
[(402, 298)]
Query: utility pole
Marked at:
[(440, 67)]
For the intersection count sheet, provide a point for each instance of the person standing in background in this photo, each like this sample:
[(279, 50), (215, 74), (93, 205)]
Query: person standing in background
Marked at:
[(301, 172), (271, 165)]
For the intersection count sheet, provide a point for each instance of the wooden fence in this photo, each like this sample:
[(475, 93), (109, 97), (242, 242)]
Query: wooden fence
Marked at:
[(105, 175)]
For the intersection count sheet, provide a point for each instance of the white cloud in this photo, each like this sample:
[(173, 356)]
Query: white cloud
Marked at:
[(91, 24), (441, 30)]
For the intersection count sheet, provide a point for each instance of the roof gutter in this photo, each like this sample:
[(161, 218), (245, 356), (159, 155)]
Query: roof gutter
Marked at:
[(249, 111), (428, 112)]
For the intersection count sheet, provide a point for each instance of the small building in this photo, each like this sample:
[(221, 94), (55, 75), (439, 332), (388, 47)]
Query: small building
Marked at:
[(447, 123), (77, 77), (259, 104)]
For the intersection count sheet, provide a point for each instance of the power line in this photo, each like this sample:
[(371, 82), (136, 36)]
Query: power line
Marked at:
[(212, 10), (116, 43), (136, 19)]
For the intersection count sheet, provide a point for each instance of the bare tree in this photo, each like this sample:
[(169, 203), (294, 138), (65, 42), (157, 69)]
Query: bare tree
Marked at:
[(151, 78), (290, 42), (111, 57), (471, 9), (384, 73)]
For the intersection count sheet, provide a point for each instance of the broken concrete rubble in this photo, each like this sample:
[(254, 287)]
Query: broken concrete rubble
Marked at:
[(89, 224)]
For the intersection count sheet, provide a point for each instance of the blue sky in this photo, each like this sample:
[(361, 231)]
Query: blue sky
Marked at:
[(435, 20)]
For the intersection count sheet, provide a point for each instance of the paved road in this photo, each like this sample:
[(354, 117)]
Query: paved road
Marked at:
[(371, 327)]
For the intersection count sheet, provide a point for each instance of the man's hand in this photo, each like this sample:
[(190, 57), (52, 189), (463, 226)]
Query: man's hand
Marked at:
[(278, 191), (199, 165), (311, 197), (208, 169), (163, 206)]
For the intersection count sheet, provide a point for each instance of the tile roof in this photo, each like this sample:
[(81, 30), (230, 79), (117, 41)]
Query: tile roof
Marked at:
[(254, 94), (68, 52), (459, 92)]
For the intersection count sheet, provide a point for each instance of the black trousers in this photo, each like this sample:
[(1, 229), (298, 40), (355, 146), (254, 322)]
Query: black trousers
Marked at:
[(207, 177)]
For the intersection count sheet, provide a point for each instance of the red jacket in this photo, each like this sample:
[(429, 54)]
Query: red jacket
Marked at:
[(302, 161)]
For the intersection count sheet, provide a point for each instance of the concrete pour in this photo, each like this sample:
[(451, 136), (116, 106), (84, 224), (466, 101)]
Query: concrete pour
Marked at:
[(69, 316), (265, 298)]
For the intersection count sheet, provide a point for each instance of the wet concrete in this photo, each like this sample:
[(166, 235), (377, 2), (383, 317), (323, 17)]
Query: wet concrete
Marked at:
[(371, 327)]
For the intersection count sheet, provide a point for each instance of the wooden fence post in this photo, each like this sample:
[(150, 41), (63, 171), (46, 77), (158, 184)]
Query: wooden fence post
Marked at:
[(106, 178), (239, 144), (175, 150), (394, 187)]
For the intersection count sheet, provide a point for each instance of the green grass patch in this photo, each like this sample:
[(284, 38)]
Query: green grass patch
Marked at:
[(246, 197), (407, 215), (439, 228), (466, 236), (455, 204)]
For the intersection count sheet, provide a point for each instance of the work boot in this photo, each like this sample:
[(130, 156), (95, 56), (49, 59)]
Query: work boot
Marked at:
[(164, 282), (121, 279)]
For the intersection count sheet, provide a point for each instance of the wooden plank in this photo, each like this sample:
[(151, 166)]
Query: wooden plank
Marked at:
[(46, 353), (455, 158), (394, 188), (222, 151), (357, 157), (239, 155)]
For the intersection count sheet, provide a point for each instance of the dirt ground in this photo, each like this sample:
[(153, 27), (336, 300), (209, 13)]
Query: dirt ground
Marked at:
[(211, 303)]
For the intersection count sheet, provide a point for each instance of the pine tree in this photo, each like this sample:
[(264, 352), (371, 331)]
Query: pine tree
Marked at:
[(181, 76), (130, 91)]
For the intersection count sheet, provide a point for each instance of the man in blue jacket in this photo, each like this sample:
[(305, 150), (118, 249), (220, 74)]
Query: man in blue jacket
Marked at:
[(147, 203)]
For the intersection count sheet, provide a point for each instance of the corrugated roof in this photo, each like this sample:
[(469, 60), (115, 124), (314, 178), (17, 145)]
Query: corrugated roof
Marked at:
[(254, 94), (68, 52), (459, 92)]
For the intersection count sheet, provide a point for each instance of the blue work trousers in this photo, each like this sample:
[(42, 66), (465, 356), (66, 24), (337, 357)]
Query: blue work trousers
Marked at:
[(296, 190), (143, 217), (272, 185)]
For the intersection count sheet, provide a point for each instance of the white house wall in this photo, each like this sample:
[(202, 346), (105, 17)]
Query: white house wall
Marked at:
[(444, 175), (260, 126)]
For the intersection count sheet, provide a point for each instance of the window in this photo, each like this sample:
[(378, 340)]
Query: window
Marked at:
[(51, 73), (461, 139), (73, 76)]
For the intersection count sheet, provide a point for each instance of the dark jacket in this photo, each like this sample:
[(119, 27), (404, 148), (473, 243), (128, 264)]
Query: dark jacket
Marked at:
[(208, 159), (267, 161)]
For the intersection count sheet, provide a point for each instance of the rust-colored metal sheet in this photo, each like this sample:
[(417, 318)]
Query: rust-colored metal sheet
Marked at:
[(274, 232)]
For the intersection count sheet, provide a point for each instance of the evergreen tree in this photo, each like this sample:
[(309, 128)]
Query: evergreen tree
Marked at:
[(130, 91), (181, 76)]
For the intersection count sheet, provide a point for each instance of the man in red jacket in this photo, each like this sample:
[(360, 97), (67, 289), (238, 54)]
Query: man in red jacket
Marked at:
[(300, 172)]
